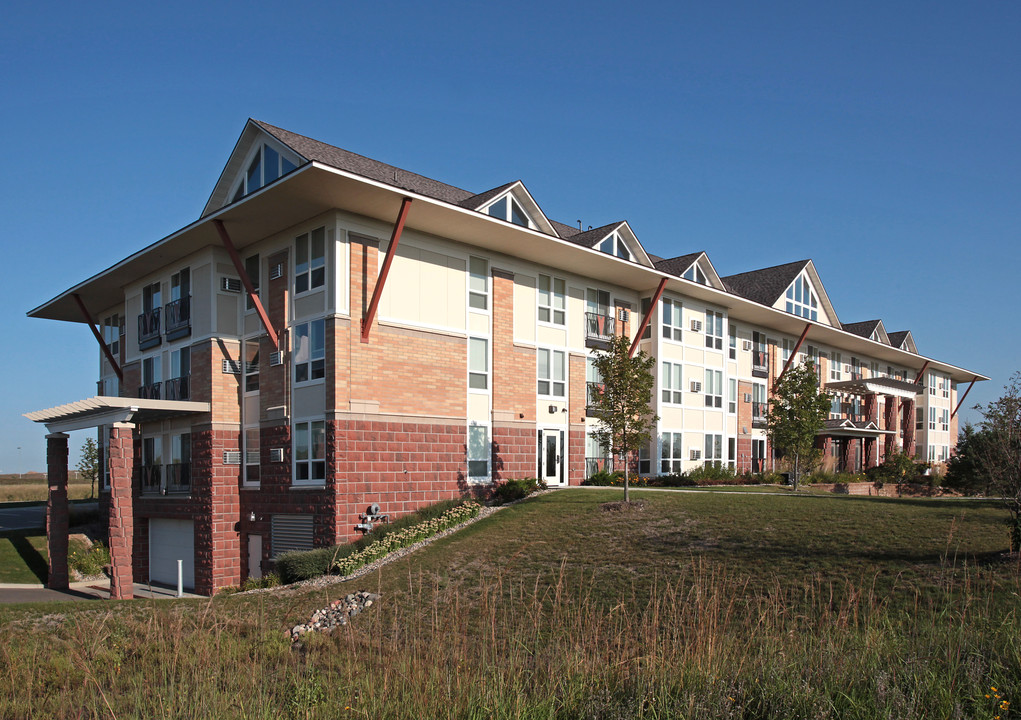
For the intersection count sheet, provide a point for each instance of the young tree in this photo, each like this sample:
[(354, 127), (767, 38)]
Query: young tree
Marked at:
[(797, 411), (88, 463), (999, 456), (623, 403)]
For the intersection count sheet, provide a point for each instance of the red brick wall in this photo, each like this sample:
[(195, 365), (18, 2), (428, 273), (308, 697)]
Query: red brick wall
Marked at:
[(514, 368), (514, 450)]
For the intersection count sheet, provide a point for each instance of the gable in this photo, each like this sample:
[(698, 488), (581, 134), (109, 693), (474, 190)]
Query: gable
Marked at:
[(512, 203), (694, 267), (806, 297)]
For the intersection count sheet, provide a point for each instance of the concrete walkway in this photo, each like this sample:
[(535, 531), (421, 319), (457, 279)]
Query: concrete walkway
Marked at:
[(89, 590)]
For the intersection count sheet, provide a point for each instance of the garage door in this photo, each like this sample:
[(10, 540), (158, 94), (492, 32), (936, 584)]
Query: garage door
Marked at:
[(170, 541)]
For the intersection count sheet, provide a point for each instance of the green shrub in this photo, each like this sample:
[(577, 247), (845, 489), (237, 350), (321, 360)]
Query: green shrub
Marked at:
[(266, 581), (511, 490), (86, 560), (898, 468), (672, 480), (605, 478)]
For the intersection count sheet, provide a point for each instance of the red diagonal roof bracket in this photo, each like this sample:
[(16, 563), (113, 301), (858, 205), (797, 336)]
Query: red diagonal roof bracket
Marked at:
[(787, 365), (921, 373), (647, 318), (961, 401), (391, 251), (246, 281), (99, 337)]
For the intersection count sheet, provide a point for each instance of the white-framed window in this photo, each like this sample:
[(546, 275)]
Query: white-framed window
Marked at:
[(671, 386), (253, 271), (695, 274), (309, 351), (552, 373), (644, 461), (945, 420), (309, 450), (932, 453), (732, 453), (310, 260), (835, 367), (507, 208), (787, 348), (180, 285), (593, 382), (945, 454), (253, 462), (836, 407), (713, 388), (801, 299), (614, 244), (478, 283), (932, 418), (732, 396), (919, 418), (152, 377), (113, 328), (873, 369), (713, 449), (932, 383), (673, 320), (946, 386), (151, 297), (671, 453), (478, 363), (479, 452), (252, 367), (552, 299), (714, 330), (732, 340), (265, 166), (179, 382)]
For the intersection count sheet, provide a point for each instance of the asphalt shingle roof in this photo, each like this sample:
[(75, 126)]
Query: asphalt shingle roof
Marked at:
[(767, 285), (675, 265), (897, 338), (863, 329)]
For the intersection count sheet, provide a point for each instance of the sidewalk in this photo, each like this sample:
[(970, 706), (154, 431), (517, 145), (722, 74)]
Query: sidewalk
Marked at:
[(89, 590)]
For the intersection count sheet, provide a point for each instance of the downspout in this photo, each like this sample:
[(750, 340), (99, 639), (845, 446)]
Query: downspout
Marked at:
[(99, 337), (648, 317), (391, 251)]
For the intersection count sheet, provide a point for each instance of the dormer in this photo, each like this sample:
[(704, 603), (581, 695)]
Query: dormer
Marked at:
[(871, 329), (512, 203), (264, 164), (902, 340), (794, 288), (615, 244), (616, 239), (694, 267)]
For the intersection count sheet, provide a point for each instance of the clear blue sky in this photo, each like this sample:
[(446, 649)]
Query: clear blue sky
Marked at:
[(882, 140)]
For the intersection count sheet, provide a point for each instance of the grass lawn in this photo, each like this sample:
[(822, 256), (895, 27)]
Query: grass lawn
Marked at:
[(23, 558), (699, 605)]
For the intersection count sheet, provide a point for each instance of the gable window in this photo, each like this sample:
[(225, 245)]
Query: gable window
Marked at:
[(507, 208), (672, 320), (614, 245), (478, 283), (310, 260), (252, 270), (478, 363), (551, 374), (672, 390), (714, 330), (309, 446), (265, 167), (713, 388), (671, 454), (552, 300), (802, 300), (309, 351), (695, 274), (478, 452)]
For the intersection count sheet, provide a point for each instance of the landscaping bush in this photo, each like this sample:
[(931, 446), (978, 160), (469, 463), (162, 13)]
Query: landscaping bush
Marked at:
[(898, 468), (672, 480), (266, 581), (299, 565), (88, 560), (605, 478), (512, 490)]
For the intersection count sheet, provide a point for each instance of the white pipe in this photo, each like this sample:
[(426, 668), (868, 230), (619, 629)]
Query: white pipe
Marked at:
[(180, 578)]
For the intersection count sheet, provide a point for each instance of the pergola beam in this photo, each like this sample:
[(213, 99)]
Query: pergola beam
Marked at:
[(246, 281), (647, 318), (391, 251), (95, 331)]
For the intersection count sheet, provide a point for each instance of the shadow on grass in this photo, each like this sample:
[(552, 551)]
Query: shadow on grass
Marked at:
[(32, 558)]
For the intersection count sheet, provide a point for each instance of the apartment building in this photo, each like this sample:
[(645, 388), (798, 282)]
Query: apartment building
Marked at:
[(334, 333)]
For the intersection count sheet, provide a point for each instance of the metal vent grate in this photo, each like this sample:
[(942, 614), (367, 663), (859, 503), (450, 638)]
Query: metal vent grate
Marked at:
[(291, 532)]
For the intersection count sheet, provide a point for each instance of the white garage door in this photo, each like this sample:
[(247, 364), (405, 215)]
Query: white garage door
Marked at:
[(170, 541)]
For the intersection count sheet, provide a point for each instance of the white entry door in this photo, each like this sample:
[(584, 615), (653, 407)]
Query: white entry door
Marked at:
[(551, 456)]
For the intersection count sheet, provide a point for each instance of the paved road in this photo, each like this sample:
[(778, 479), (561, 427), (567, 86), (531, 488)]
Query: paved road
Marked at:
[(32, 517)]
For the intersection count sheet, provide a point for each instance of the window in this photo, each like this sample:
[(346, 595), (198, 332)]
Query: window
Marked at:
[(732, 453), (552, 300), (644, 461), (788, 348), (714, 330), (152, 377), (178, 478), (713, 388), (180, 375), (309, 351), (945, 420), (265, 167), (646, 309), (836, 408), (614, 245), (855, 368), (801, 299), (671, 384), (252, 367), (252, 270), (732, 339), (478, 364), (671, 454), (732, 398), (672, 320), (873, 369), (151, 298), (695, 274), (478, 283), (946, 386), (919, 418), (507, 208), (151, 471), (310, 453), (478, 452), (180, 285), (932, 383), (599, 323), (932, 418), (835, 368), (113, 328), (713, 450), (551, 373), (252, 459), (310, 260), (149, 320)]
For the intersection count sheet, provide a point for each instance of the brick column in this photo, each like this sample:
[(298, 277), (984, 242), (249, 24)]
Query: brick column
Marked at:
[(56, 509), (891, 424), (122, 530), (872, 445), (908, 426)]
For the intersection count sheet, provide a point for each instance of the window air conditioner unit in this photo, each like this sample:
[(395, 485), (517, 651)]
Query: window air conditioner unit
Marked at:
[(847, 368), (230, 284), (231, 457), (231, 367), (696, 326), (747, 397), (276, 455), (746, 345), (276, 271), (276, 358), (696, 454), (696, 386)]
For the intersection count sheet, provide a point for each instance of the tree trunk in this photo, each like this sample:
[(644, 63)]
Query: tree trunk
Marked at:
[(627, 497), (796, 467)]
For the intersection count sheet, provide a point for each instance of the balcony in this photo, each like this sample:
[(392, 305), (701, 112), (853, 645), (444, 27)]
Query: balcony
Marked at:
[(178, 388), (599, 329), (150, 392), (152, 479), (759, 410), (178, 314), (760, 363), (178, 479), (149, 329), (592, 392)]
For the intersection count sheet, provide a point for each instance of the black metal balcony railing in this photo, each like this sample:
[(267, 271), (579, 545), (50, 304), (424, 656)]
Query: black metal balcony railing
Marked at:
[(600, 327), (152, 479), (760, 363), (178, 477), (149, 329), (178, 315), (178, 388), (150, 392), (759, 410)]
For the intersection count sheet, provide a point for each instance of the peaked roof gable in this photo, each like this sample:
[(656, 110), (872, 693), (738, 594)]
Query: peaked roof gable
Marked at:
[(522, 197), (683, 263), (769, 285), (593, 237), (871, 329), (903, 340)]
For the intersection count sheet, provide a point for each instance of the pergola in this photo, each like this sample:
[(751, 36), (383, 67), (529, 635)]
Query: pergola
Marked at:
[(899, 400)]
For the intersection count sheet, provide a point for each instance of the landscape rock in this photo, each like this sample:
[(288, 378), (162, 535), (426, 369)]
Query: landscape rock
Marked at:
[(334, 615)]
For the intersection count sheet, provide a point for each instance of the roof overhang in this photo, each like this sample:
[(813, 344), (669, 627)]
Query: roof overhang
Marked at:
[(315, 188), (849, 428), (103, 410), (876, 386)]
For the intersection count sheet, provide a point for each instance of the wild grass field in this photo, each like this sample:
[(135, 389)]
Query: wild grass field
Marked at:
[(31, 487), (698, 605)]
